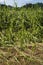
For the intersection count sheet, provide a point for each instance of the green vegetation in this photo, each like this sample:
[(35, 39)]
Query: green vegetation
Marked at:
[(21, 35), (23, 25)]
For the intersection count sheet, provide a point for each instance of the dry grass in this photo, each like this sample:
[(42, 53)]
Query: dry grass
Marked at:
[(32, 54)]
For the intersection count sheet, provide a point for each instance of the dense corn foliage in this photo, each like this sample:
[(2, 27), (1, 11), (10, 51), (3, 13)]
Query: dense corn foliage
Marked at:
[(24, 25)]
